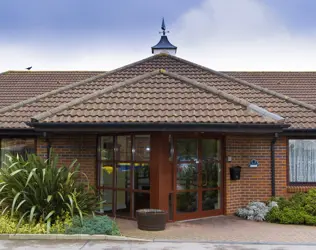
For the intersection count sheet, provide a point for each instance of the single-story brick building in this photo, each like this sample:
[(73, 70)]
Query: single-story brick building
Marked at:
[(164, 132)]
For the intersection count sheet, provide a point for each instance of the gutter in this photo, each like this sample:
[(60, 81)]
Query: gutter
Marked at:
[(273, 164), (135, 126), (300, 132), (7, 132)]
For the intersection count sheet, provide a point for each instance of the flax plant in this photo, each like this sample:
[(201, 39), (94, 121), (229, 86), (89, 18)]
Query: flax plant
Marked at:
[(34, 189)]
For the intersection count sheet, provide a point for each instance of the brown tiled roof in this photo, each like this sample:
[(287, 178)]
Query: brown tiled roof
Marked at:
[(162, 98), (16, 86), (157, 96), (299, 85)]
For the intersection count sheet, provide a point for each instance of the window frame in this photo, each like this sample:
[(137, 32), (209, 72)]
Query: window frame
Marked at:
[(17, 137), (289, 183)]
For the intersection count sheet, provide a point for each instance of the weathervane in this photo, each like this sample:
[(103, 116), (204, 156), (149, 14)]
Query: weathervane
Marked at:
[(163, 27), (164, 46)]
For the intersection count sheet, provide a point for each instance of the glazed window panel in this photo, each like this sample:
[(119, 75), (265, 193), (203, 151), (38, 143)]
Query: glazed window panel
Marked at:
[(187, 176), (141, 201), (302, 161), (187, 202), (142, 147), (124, 148), (123, 203), (107, 148), (211, 163), (106, 175), (141, 176), (106, 206), (16, 146), (186, 150), (211, 200), (123, 175)]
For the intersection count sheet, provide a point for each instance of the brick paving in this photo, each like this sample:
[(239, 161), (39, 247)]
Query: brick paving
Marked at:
[(224, 228)]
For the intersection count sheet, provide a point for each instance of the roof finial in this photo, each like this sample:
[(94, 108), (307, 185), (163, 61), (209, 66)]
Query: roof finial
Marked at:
[(164, 46), (163, 27)]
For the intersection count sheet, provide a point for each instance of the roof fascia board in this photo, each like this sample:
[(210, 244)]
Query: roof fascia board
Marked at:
[(18, 132), (132, 127), (299, 132)]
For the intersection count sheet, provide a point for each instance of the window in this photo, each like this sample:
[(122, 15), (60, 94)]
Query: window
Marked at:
[(14, 146), (302, 161)]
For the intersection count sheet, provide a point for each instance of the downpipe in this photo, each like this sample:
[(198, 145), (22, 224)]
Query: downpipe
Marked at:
[(48, 145), (276, 135)]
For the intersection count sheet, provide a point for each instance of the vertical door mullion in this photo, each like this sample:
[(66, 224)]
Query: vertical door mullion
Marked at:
[(99, 162), (199, 156), (223, 171), (132, 177), (114, 186), (175, 164)]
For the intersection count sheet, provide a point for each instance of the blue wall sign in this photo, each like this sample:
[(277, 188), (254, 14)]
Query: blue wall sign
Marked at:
[(253, 164)]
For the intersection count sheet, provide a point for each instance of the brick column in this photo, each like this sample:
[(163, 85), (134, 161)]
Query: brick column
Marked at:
[(160, 171)]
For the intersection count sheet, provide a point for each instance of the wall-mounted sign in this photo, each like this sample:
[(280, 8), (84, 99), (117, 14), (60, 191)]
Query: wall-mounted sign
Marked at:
[(253, 164)]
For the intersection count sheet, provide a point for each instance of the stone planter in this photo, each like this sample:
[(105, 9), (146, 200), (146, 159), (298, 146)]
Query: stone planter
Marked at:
[(151, 219)]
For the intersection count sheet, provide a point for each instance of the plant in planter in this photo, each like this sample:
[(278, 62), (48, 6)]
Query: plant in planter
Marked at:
[(151, 219)]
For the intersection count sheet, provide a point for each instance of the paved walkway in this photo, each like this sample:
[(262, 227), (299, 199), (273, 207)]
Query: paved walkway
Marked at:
[(224, 229), (107, 245)]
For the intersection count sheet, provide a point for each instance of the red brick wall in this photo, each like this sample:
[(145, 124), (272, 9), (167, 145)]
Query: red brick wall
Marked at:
[(70, 147), (255, 183), (281, 167), (41, 145)]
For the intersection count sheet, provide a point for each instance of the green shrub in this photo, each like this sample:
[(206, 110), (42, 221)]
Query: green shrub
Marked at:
[(273, 215), (8, 225), (36, 189), (282, 202), (292, 216), (310, 220), (93, 225), (298, 209), (310, 202)]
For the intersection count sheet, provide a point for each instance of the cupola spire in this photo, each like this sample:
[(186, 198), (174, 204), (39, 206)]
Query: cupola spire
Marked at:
[(164, 46), (163, 27)]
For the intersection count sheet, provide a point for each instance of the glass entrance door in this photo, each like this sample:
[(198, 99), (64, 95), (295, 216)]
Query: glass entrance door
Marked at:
[(124, 174), (198, 178)]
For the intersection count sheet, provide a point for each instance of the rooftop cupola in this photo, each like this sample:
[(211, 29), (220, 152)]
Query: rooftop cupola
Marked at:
[(164, 46)]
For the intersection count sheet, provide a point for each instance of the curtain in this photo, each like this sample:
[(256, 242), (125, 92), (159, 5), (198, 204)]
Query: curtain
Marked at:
[(302, 160), (14, 146)]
